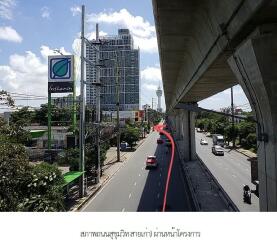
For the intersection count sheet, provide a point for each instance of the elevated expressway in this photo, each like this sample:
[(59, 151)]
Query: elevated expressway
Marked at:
[(207, 46)]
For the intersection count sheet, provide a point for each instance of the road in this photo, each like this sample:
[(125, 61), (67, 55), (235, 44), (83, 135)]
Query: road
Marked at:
[(231, 171), (133, 188)]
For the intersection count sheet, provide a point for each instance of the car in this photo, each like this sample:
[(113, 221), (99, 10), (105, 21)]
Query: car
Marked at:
[(124, 146), (217, 150), (203, 142), (160, 141), (151, 162), (168, 143)]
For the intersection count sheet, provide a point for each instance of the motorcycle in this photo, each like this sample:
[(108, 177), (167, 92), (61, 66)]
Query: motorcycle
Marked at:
[(246, 194)]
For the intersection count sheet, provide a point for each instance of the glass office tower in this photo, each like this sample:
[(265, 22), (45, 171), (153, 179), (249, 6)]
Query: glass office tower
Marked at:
[(124, 63)]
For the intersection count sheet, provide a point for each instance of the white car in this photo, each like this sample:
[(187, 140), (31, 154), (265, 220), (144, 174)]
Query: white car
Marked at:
[(203, 142), (217, 150)]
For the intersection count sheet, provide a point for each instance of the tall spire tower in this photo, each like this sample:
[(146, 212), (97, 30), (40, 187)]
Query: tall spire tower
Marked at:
[(159, 93)]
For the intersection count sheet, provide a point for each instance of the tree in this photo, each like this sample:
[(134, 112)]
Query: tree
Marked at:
[(6, 99), (22, 117), (25, 187), (245, 128), (14, 169), (40, 115), (44, 190), (130, 135), (229, 134), (13, 133), (70, 157)]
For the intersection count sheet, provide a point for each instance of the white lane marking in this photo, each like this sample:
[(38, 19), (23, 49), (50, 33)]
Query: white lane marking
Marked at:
[(130, 195), (160, 175), (233, 175), (159, 184), (123, 210), (135, 183), (142, 168), (139, 175), (158, 196)]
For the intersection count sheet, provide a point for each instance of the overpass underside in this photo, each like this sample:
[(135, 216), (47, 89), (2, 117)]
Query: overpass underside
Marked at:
[(208, 46)]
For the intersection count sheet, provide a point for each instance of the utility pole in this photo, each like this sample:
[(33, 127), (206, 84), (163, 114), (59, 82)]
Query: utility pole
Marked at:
[(117, 107), (152, 103), (233, 118), (82, 110), (98, 92), (49, 121)]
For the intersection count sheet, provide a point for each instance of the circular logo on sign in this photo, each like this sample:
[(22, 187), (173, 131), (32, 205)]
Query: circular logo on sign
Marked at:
[(60, 68)]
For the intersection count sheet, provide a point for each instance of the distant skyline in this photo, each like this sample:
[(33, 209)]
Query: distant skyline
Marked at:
[(31, 30)]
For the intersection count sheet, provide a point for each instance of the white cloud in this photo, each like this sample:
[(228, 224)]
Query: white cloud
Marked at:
[(223, 99), (6, 7), (9, 34), (92, 35), (75, 10), (143, 32), (149, 86), (27, 73), (46, 51), (45, 13), (151, 74)]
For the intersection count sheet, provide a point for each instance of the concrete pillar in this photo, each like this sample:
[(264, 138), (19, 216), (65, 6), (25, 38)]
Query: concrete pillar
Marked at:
[(186, 140), (255, 66)]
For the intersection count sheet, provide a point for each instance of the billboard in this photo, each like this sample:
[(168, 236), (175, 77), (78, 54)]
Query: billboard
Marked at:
[(60, 73), (122, 114)]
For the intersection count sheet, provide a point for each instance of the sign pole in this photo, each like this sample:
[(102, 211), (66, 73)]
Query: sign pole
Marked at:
[(74, 105), (117, 108), (82, 110), (49, 120)]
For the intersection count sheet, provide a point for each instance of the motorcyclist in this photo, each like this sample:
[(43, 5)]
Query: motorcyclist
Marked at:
[(246, 194)]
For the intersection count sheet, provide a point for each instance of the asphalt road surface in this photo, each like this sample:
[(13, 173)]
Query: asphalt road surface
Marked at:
[(133, 188), (231, 171)]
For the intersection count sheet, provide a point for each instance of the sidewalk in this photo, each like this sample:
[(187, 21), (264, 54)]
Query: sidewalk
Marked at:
[(110, 168), (246, 153)]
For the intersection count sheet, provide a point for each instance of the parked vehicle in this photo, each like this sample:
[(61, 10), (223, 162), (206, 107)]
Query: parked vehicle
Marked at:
[(160, 141), (151, 162), (168, 143), (217, 150), (203, 142), (124, 146), (218, 140)]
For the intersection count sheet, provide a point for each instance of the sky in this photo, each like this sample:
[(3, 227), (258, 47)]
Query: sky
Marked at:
[(31, 29)]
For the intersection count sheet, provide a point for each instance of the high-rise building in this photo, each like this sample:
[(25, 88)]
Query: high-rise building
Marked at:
[(159, 93), (124, 62)]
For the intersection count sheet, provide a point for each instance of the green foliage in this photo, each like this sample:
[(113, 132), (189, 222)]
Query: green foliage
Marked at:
[(70, 157), (44, 190), (154, 116), (230, 133), (24, 187), (6, 99), (22, 117), (130, 135), (215, 123), (14, 173), (13, 133), (40, 115)]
